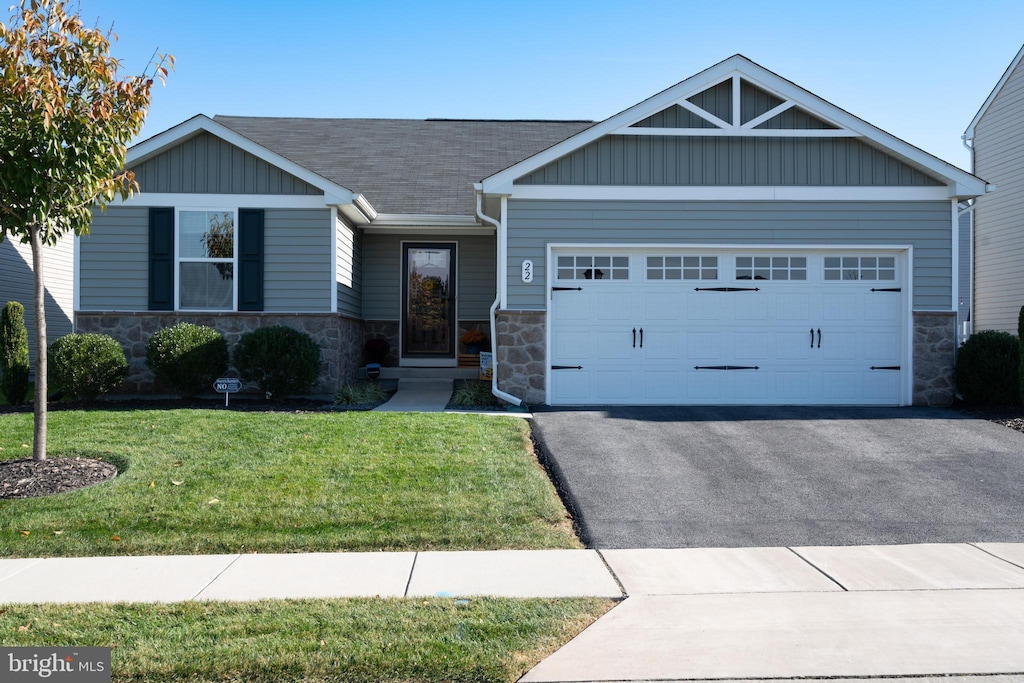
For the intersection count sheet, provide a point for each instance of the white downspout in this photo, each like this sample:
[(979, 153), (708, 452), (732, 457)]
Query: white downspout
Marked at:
[(500, 243)]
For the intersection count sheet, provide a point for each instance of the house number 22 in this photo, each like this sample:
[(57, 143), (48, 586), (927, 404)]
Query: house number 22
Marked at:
[(527, 271)]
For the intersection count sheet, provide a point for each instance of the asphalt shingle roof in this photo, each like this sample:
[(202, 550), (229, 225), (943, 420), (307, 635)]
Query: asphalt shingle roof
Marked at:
[(403, 165)]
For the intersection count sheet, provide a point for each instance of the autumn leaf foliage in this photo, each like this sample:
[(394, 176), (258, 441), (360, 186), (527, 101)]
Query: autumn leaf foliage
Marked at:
[(67, 114)]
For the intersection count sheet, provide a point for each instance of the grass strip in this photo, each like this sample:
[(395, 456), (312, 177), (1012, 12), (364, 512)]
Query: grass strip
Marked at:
[(215, 481), (480, 639)]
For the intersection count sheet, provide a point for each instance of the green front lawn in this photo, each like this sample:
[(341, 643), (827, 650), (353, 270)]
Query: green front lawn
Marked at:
[(485, 639), (215, 481)]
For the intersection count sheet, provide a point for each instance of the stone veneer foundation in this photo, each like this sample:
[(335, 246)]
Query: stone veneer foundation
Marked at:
[(521, 356), (340, 339), (934, 354)]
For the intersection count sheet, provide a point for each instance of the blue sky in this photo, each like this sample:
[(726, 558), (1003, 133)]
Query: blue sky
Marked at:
[(919, 70)]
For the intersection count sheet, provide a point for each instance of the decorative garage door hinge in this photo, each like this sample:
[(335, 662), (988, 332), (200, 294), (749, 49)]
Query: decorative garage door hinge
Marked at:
[(727, 289), (726, 367), (890, 289), (885, 367), (566, 367), (566, 289)]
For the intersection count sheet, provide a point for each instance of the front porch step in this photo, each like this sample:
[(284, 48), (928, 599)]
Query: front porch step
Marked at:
[(429, 373)]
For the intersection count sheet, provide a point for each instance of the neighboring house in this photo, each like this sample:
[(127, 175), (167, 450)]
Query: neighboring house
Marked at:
[(996, 139), (16, 284), (733, 239)]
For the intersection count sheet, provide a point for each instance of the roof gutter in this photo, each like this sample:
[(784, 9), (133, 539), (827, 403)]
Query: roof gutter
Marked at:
[(500, 240)]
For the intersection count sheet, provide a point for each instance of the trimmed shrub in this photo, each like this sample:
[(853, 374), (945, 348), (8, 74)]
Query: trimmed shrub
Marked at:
[(14, 366), (988, 368), (1020, 341), (187, 358), (86, 365), (280, 360)]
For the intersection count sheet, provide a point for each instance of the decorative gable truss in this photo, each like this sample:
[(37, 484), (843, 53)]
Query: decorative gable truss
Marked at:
[(735, 107), (735, 125)]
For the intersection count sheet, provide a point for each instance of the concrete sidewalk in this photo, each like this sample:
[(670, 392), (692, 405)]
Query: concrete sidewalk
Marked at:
[(419, 396), (822, 612), (692, 614), (507, 573)]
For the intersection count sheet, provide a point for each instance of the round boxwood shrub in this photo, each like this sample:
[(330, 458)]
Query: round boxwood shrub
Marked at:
[(187, 358), (988, 369), (280, 360), (86, 366), (14, 367)]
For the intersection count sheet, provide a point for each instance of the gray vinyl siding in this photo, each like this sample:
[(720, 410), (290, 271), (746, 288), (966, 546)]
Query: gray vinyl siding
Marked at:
[(964, 267), (114, 261), (532, 224), (349, 272), (17, 284), (477, 272), (208, 164), (717, 100), (999, 217), (297, 260), (695, 161), (382, 274)]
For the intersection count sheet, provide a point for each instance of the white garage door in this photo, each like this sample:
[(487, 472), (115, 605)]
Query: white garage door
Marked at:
[(677, 326)]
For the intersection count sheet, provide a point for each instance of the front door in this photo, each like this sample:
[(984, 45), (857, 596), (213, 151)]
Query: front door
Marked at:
[(428, 296)]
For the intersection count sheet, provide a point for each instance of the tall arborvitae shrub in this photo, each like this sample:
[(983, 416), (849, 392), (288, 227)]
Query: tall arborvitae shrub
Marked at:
[(1020, 341), (14, 367)]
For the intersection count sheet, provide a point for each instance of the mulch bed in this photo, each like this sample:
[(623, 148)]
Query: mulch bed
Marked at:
[(31, 478)]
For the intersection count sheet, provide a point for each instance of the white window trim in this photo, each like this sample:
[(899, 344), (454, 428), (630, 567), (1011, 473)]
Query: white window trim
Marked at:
[(178, 260)]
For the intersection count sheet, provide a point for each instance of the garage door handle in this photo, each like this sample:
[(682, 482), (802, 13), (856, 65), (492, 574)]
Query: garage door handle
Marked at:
[(819, 337), (812, 337), (641, 337), (634, 337)]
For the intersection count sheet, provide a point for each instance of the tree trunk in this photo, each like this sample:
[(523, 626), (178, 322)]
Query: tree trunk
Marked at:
[(39, 434)]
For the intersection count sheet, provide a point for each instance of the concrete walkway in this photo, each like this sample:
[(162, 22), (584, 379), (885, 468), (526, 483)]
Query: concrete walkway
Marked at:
[(419, 396), (692, 614)]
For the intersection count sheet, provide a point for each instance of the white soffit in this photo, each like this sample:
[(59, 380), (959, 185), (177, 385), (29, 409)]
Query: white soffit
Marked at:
[(735, 69)]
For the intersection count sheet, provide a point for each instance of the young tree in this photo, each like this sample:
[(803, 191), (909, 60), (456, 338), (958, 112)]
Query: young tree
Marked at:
[(66, 117)]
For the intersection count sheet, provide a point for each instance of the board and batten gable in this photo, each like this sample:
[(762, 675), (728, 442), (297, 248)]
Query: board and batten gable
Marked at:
[(999, 217), (724, 161), (17, 284), (207, 164), (206, 171), (533, 224)]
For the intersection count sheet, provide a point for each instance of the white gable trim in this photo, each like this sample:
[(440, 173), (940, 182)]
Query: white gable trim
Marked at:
[(334, 194), (969, 133), (961, 183)]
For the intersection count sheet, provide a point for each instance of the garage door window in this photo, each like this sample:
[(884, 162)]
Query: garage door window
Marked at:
[(853, 268), (771, 267), (682, 268), (593, 267)]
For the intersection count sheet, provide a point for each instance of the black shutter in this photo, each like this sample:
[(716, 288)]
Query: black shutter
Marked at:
[(161, 259), (250, 259)]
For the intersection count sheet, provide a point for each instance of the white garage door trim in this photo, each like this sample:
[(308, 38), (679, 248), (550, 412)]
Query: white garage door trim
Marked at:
[(904, 261)]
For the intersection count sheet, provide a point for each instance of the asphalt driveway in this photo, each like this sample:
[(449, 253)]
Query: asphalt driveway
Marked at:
[(660, 477)]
